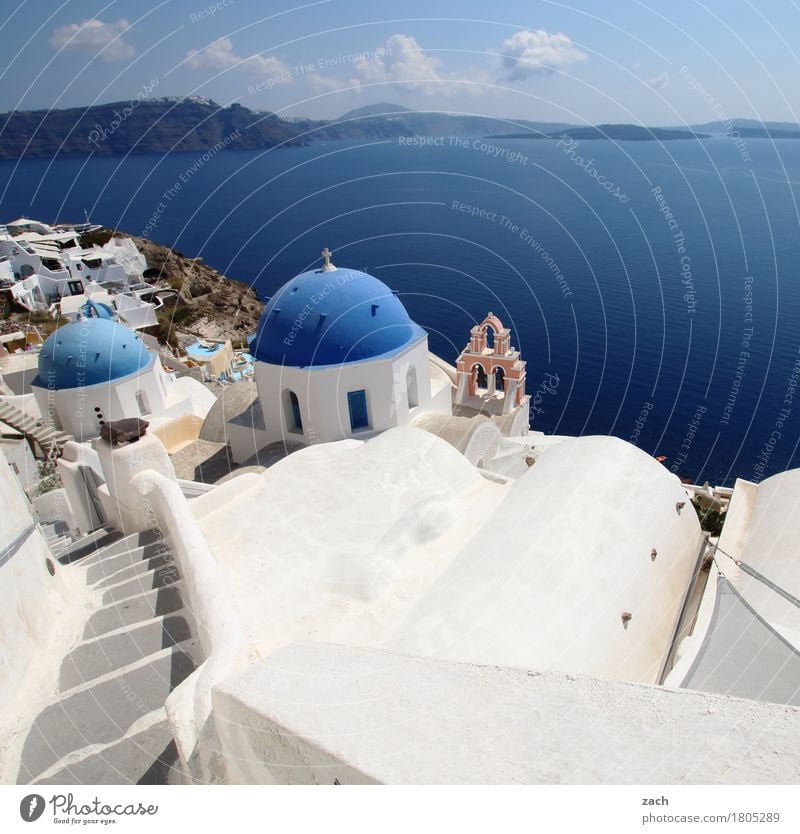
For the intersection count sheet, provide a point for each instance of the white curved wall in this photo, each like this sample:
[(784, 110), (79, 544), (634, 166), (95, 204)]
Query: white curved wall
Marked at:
[(761, 530), (322, 396), (337, 540), (151, 394), (545, 583), (35, 606)]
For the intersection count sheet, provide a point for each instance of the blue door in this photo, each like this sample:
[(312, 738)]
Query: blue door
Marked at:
[(357, 403)]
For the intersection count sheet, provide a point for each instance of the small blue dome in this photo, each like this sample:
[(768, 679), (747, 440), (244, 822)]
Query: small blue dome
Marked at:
[(90, 352), (330, 318), (96, 310)]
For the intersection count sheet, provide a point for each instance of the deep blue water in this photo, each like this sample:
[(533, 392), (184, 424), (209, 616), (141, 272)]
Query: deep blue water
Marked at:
[(633, 332)]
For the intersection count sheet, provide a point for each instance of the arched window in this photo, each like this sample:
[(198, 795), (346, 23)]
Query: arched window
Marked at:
[(480, 376), (490, 337), (411, 387), (291, 405), (499, 379)]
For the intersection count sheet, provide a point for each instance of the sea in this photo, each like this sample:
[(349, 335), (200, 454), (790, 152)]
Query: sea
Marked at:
[(652, 287)]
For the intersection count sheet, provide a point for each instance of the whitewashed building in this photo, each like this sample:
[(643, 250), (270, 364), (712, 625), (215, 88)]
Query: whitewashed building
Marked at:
[(96, 370), (337, 356)]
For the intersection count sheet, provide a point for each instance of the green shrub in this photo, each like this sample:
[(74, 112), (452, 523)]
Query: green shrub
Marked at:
[(710, 520), (49, 479)]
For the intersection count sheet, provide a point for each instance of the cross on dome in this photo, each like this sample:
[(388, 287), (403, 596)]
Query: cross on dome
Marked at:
[(327, 266)]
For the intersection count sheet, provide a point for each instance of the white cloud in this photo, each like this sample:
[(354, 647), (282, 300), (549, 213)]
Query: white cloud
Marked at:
[(219, 55), (326, 84), (529, 52), (660, 81), (103, 39), (403, 63)]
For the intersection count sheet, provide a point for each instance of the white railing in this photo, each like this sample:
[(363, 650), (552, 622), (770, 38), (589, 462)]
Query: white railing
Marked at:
[(218, 624)]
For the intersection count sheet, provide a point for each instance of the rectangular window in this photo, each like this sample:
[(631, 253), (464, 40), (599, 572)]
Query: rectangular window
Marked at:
[(357, 404), (141, 401)]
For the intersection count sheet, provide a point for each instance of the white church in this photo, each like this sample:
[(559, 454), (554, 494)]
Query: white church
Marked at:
[(424, 590), (97, 370), (337, 356)]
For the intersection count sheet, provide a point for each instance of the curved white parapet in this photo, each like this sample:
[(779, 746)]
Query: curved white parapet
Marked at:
[(445, 367), (217, 623), (761, 532), (337, 540), (477, 438), (562, 577)]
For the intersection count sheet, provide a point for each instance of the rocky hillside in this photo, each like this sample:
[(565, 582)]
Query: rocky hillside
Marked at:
[(148, 126), (207, 305), (165, 125)]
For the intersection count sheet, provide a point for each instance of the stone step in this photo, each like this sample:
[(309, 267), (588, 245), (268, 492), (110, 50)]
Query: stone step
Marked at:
[(126, 545), (89, 545), (129, 571), (112, 564), (103, 712), (146, 758), (52, 538), (129, 612), (160, 578), (26, 424), (98, 657)]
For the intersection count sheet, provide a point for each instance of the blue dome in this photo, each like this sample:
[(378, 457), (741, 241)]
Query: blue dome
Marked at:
[(96, 310), (330, 318), (90, 352)]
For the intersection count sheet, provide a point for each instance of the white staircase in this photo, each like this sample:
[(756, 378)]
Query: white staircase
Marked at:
[(50, 440), (57, 536), (106, 724)]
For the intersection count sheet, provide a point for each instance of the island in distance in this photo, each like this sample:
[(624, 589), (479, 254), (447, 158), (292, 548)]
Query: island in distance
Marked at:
[(618, 132)]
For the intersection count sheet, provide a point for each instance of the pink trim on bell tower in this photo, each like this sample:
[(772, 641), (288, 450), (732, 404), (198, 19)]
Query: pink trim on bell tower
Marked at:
[(503, 370)]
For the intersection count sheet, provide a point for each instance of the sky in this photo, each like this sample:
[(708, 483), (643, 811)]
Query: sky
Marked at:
[(578, 61)]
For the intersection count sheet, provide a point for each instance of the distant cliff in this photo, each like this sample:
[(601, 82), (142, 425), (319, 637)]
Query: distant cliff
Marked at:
[(148, 126), (387, 121), (197, 124), (162, 125)]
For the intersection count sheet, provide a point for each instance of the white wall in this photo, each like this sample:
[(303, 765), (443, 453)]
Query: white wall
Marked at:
[(136, 313), (22, 462), (164, 398), (312, 714), (54, 506), (761, 530), (544, 583), (337, 540), (322, 394), (33, 604), (77, 459), (120, 464)]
